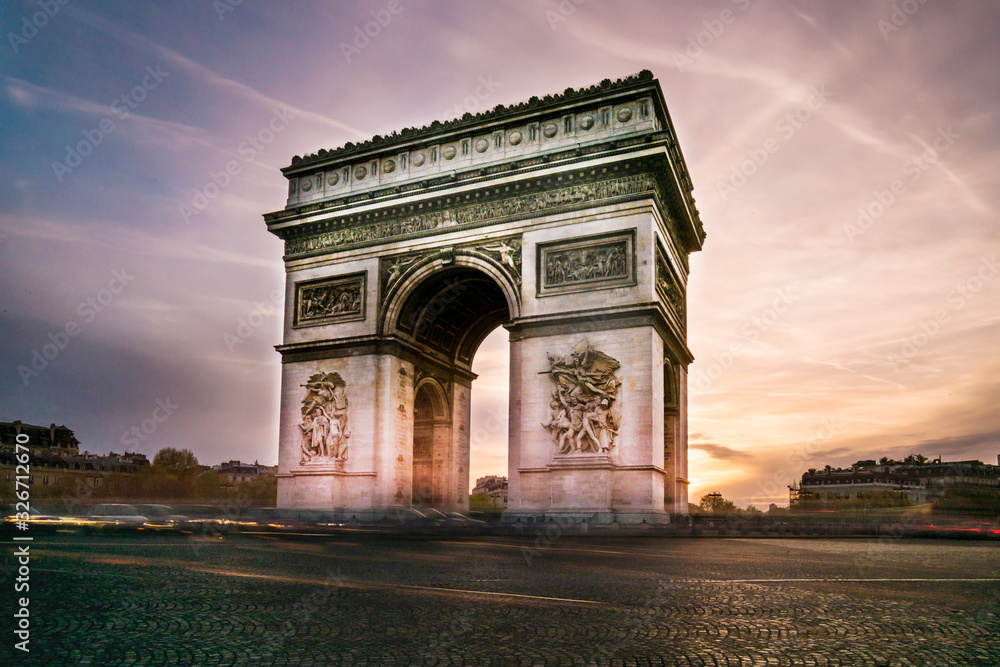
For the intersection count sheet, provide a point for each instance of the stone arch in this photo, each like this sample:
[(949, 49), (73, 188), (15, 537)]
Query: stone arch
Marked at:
[(419, 271), (449, 303)]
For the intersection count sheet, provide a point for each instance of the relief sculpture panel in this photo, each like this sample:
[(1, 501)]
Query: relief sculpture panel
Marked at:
[(324, 420), (583, 264), (584, 418), (668, 288), (330, 300)]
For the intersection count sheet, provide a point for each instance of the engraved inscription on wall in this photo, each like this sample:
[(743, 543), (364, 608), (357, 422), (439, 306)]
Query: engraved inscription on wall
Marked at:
[(330, 300), (586, 263)]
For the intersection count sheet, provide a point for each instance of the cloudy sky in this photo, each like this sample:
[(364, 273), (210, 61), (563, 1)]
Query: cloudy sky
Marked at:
[(844, 156)]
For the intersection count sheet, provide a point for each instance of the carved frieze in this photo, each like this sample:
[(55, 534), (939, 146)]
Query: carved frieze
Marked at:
[(584, 418), (330, 300), (324, 420), (586, 263), (391, 269), (508, 253), (519, 205), (668, 287)]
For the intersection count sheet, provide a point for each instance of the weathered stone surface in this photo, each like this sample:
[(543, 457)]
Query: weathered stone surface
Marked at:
[(566, 221)]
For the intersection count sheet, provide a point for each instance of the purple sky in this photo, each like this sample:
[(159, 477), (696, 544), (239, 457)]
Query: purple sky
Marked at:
[(821, 336)]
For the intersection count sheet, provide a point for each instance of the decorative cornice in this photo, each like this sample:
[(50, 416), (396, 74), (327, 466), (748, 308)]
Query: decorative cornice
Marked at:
[(498, 112), (448, 219)]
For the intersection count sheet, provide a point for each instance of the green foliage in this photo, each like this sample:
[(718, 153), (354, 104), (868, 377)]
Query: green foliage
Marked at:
[(714, 503), (208, 486), (480, 502), (260, 492), (865, 500), (180, 462), (969, 500)]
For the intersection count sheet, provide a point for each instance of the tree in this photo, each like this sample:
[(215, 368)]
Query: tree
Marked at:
[(208, 486), (180, 462), (714, 503)]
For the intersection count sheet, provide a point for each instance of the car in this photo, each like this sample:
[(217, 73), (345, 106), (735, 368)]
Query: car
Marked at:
[(162, 517), (115, 515), (36, 520)]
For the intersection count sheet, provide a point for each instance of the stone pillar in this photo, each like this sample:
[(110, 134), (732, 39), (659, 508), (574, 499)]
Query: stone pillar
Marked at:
[(623, 484), (457, 471), (393, 424)]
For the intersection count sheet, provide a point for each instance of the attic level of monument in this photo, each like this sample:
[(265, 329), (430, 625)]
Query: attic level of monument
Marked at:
[(603, 123), (533, 107)]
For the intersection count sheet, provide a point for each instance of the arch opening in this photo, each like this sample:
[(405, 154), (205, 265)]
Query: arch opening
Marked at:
[(452, 311), (431, 443)]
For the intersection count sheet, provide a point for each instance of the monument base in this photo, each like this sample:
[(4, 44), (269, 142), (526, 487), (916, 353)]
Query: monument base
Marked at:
[(583, 520)]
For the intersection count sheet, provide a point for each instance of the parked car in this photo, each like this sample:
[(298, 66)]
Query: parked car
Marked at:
[(115, 515)]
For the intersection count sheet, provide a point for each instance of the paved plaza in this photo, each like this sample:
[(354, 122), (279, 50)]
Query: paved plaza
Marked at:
[(363, 599)]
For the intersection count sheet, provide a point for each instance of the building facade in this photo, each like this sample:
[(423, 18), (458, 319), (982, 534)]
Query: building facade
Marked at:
[(55, 458), (494, 487), (916, 482)]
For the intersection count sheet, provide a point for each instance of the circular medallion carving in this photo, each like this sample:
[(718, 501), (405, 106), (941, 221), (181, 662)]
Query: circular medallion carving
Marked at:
[(514, 138), (550, 130), (587, 122), (388, 166), (307, 184), (418, 159), (332, 179), (482, 145), (449, 152), (360, 173), (624, 114)]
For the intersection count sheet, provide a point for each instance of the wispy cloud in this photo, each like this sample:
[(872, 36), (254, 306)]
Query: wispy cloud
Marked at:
[(212, 79)]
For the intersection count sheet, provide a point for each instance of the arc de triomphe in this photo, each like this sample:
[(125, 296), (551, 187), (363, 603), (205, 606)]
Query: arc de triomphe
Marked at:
[(567, 220)]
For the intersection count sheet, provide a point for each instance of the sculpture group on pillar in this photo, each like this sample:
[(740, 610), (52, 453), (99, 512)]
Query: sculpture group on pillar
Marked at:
[(583, 417), (324, 419)]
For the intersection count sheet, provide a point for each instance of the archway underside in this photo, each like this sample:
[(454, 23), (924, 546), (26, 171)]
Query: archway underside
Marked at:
[(452, 312)]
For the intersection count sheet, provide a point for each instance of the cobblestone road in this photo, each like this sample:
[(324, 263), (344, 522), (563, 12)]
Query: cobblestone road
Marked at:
[(368, 600)]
